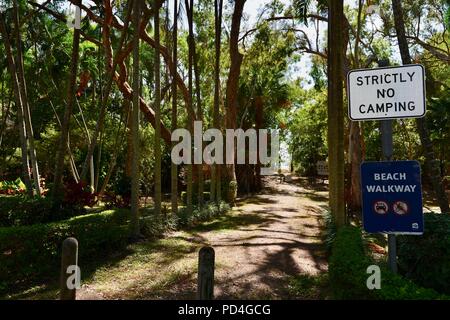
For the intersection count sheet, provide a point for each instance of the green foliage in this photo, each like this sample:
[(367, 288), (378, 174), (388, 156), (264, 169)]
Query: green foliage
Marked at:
[(347, 271), (28, 253), (231, 192), (305, 286), (22, 210), (348, 264), (438, 120), (426, 259), (206, 196), (12, 187), (208, 211), (153, 227), (228, 192), (308, 131)]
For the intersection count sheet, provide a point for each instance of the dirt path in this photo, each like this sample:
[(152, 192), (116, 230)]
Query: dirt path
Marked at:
[(266, 240), (257, 259)]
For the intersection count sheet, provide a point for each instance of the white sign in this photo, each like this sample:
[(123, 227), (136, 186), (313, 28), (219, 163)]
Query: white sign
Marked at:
[(386, 93), (322, 168)]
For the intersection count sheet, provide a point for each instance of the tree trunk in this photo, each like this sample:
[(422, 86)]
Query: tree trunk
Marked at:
[(355, 136), (105, 98), (431, 164), (200, 177), (17, 96), (25, 104), (336, 111), (57, 192), (215, 188), (174, 168), (135, 230), (189, 9), (157, 107), (236, 58), (259, 110), (355, 152)]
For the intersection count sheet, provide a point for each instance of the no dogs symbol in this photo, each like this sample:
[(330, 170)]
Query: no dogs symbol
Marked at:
[(381, 207)]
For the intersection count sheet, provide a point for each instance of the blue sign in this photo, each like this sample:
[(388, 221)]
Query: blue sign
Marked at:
[(392, 197)]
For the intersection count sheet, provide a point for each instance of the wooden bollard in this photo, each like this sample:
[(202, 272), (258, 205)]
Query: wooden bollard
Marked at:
[(69, 258), (205, 280)]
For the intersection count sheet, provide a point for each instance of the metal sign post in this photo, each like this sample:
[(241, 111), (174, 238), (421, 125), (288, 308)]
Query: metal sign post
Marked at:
[(388, 150), (392, 200)]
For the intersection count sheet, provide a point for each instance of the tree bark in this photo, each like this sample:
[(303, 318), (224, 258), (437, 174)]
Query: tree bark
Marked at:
[(259, 111), (215, 187), (16, 88), (57, 191), (174, 120), (355, 136), (135, 230), (157, 107), (189, 10), (431, 164), (25, 103), (200, 176), (105, 99), (236, 58), (336, 112)]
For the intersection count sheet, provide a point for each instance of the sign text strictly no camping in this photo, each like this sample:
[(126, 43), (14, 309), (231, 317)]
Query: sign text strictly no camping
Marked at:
[(386, 93)]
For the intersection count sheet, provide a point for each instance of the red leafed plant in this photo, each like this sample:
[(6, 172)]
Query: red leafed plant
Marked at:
[(79, 194)]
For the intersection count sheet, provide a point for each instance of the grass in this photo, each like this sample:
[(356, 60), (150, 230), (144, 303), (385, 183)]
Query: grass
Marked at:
[(309, 287), (230, 221), (145, 270)]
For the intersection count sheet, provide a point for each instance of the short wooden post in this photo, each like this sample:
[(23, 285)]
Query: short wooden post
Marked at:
[(205, 280), (69, 258)]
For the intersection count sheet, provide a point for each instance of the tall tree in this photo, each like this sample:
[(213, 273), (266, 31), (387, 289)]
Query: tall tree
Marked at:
[(336, 111), (135, 172), (355, 152), (431, 164), (18, 99), (25, 102), (200, 178), (157, 71), (174, 168), (236, 58), (216, 182), (65, 124), (189, 10), (106, 94)]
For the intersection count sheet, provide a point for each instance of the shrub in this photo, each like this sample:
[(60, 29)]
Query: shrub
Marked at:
[(206, 197), (78, 195), (232, 192), (426, 259), (208, 211), (23, 210), (12, 187), (348, 264), (347, 272), (153, 227), (29, 252)]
